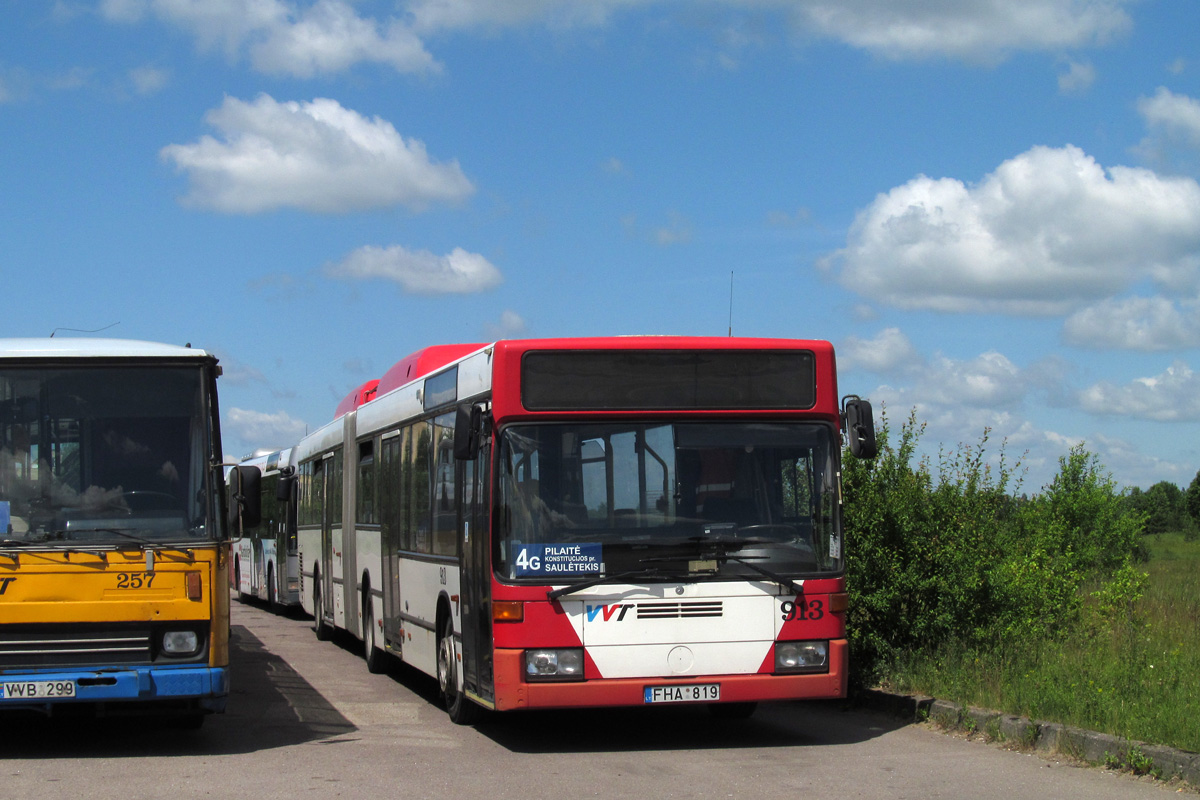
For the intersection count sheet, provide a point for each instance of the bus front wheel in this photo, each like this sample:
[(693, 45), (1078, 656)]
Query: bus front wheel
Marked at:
[(461, 710)]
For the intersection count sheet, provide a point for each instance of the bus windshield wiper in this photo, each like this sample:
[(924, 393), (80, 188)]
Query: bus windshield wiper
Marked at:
[(587, 583), (119, 532), (731, 546)]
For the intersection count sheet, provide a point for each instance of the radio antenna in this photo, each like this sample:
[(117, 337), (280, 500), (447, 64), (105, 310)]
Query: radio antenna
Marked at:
[(82, 330), (731, 303)]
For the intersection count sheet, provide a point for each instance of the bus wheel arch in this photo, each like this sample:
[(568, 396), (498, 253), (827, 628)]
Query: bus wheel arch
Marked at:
[(374, 657), (321, 628), (461, 710)]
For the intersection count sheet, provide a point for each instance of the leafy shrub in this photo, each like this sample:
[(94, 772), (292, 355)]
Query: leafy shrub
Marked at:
[(960, 559)]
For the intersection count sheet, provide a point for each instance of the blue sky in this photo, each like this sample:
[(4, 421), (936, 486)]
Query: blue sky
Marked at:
[(991, 209)]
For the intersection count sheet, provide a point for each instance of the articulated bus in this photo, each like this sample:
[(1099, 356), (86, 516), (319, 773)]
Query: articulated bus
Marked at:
[(265, 556), (113, 545), (590, 522)]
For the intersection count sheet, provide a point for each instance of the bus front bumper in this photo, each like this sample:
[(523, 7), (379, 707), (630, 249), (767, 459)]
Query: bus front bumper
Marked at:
[(200, 687), (513, 692)]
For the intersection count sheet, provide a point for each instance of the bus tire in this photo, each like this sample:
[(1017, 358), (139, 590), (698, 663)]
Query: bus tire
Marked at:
[(237, 582), (461, 710), (374, 657), (321, 628)]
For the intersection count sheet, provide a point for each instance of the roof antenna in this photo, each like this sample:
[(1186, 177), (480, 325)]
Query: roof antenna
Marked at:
[(81, 330), (731, 303)]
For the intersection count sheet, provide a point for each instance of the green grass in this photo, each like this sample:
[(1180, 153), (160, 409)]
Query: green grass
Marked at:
[(1132, 673)]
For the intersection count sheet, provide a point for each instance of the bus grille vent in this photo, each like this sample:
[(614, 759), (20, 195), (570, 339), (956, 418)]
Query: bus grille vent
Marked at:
[(707, 608), (73, 645)]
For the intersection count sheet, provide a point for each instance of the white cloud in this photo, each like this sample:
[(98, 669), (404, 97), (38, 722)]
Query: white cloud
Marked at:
[(419, 272), (282, 37), (1135, 323), (1046, 232), (148, 80), (1078, 77), (990, 380), (264, 430), (972, 30), (329, 37), (889, 352), (1171, 396), (1170, 116), (316, 156), (511, 325)]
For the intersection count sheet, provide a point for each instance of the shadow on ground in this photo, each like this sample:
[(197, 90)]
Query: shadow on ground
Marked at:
[(270, 706)]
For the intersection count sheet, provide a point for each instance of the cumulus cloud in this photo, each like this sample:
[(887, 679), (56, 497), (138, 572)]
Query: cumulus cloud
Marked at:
[(990, 380), (266, 430), (511, 325), (306, 37), (1077, 78), (1171, 396), (315, 156), (288, 38), (148, 80), (1135, 323), (419, 272), (888, 352), (1173, 130), (972, 30), (1047, 232)]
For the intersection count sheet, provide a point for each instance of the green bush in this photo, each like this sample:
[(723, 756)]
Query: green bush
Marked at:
[(958, 558)]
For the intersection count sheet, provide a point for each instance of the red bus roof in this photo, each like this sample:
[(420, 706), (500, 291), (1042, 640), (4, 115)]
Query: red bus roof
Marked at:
[(423, 362), (363, 394)]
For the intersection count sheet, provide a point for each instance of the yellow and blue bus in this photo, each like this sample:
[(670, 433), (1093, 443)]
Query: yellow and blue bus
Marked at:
[(113, 529)]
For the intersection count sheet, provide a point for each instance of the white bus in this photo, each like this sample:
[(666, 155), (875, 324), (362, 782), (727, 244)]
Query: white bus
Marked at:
[(266, 563)]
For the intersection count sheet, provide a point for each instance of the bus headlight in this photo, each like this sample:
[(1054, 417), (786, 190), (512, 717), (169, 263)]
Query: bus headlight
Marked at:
[(802, 656), (180, 643), (554, 665)]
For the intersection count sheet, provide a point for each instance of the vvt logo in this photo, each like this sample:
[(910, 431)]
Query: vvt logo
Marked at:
[(608, 611)]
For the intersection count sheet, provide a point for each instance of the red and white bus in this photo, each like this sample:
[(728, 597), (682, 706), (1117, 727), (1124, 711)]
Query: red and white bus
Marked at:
[(570, 523)]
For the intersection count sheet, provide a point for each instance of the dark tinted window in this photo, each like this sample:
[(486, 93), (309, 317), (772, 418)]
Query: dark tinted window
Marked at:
[(667, 379)]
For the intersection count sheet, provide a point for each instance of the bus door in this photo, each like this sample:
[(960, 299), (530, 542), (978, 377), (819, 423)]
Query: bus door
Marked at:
[(323, 478), (392, 449), (476, 575)]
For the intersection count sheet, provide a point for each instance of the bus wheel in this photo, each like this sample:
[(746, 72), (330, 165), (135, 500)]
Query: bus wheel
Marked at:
[(374, 656), (322, 629), (461, 710), (732, 711), (237, 582)]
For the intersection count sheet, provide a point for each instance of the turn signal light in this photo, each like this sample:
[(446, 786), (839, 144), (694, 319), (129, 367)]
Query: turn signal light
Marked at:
[(839, 602), (194, 590), (508, 611)]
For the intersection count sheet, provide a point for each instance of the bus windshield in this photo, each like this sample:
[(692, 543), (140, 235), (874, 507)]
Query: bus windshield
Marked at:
[(696, 500), (104, 455)]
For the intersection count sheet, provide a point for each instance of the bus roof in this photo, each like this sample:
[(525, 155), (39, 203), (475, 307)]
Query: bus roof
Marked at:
[(94, 348)]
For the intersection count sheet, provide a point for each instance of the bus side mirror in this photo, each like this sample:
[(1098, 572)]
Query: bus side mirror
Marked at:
[(859, 424), (286, 486), (467, 426), (245, 502)]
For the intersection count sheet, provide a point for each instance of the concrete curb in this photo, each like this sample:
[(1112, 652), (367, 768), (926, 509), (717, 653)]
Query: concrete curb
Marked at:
[(1047, 738)]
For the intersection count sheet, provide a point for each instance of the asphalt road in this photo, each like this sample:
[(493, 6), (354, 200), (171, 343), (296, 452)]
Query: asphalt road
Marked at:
[(306, 720)]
